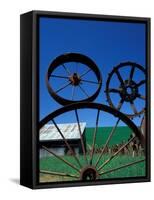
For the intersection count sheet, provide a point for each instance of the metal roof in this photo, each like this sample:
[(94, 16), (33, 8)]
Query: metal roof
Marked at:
[(70, 131)]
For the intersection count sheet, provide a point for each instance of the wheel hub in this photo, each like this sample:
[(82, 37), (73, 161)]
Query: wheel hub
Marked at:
[(75, 79), (89, 173), (129, 91)]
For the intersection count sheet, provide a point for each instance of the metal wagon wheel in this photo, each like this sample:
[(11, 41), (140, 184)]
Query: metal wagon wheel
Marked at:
[(74, 78), (128, 88), (143, 127), (90, 168)]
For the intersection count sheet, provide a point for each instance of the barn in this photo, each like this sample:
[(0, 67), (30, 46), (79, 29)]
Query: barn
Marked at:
[(51, 138)]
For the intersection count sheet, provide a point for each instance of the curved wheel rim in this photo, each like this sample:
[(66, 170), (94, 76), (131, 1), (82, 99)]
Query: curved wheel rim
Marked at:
[(78, 58), (127, 83), (90, 170), (143, 127)]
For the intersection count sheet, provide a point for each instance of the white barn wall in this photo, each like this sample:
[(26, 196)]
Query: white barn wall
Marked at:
[(60, 151)]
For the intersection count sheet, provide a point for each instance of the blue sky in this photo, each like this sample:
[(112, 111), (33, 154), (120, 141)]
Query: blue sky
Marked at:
[(106, 43)]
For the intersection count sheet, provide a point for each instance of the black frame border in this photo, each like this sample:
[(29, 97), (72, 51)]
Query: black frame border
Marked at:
[(34, 171)]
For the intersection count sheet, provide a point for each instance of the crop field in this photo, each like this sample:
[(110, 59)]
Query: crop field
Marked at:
[(53, 164)]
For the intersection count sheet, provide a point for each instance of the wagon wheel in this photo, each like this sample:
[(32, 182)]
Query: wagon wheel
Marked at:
[(128, 88), (91, 165), (143, 127), (75, 80)]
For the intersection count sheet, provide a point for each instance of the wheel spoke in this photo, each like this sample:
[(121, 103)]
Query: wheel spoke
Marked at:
[(141, 96), (85, 73), (62, 159), (114, 90), (107, 142), (141, 83), (120, 104), (77, 67), (58, 173), (122, 166), (57, 76), (66, 69), (73, 92), (63, 87), (93, 82), (119, 77), (94, 138), (81, 88), (116, 153), (67, 144), (81, 138), (131, 73), (133, 107)]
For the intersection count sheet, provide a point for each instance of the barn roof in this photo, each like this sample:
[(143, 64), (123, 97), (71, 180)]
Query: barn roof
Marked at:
[(70, 131)]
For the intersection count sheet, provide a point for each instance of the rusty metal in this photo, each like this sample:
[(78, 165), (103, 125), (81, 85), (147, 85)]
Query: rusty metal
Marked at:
[(107, 142), (143, 125), (91, 105), (90, 171), (84, 92), (63, 86), (67, 144), (66, 69), (116, 153), (73, 79), (128, 89), (82, 143), (58, 174), (143, 128), (94, 138), (62, 159)]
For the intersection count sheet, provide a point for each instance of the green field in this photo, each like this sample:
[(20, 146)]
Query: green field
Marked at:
[(54, 164), (122, 134)]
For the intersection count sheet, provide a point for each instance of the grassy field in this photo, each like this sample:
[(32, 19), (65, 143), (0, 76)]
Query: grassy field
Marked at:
[(54, 164), (121, 135)]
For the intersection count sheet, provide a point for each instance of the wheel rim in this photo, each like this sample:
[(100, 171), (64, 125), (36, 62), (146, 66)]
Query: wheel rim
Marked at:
[(128, 89), (91, 170), (74, 80)]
